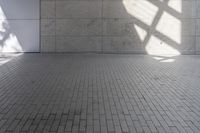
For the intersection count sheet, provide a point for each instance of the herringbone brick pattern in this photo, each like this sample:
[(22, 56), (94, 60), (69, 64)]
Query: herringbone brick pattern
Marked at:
[(91, 93)]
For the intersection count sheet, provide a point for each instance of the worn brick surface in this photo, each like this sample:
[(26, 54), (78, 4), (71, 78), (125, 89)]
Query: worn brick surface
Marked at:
[(91, 93)]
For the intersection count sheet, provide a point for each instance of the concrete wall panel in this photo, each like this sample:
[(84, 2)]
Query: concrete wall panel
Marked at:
[(19, 25), (78, 44), (21, 9), (122, 26)]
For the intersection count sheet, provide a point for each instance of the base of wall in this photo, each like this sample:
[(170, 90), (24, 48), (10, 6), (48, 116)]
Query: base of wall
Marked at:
[(121, 52), (106, 52)]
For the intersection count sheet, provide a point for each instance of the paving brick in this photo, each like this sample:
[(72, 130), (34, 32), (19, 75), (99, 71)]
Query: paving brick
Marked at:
[(82, 127), (69, 125), (82, 93)]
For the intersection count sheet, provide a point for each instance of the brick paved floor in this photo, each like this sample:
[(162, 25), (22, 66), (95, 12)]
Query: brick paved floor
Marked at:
[(91, 93)]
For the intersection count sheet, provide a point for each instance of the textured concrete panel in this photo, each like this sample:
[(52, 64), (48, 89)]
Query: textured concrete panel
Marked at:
[(197, 8), (179, 29), (198, 27), (188, 27), (123, 25), (20, 36), (189, 9), (119, 27), (198, 44), (20, 9), (77, 44), (19, 25), (78, 9), (48, 43), (27, 33), (188, 44), (48, 9), (114, 9), (122, 44), (78, 27), (48, 27)]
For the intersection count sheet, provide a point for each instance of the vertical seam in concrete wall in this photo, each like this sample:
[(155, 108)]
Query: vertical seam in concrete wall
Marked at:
[(195, 40), (102, 26), (40, 18), (55, 41), (109, 39)]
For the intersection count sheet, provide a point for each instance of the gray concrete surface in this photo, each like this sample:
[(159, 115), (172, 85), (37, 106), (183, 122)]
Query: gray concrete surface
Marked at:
[(88, 93), (19, 26), (120, 26)]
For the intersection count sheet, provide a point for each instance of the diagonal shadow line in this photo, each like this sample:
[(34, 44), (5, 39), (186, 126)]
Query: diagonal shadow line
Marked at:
[(165, 59), (151, 30), (154, 24), (165, 7), (164, 38), (5, 35), (159, 56), (156, 33)]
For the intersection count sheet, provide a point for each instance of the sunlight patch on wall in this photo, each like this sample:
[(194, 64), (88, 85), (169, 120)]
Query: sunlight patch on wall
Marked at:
[(2, 15), (141, 32), (170, 26), (4, 58), (176, 5), (141, 9), (8, 40), (166, 26), (155, 46), (11, 44)]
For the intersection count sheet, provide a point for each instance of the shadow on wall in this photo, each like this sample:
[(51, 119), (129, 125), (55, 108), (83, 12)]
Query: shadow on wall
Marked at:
[(165, 28), (4, 58), (19, 25), (159, 27), (8, 40)]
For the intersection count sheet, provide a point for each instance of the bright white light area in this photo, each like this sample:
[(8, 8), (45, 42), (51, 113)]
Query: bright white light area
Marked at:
[(3, 28), (2, 15), (157, 47), (141, 9), (176, 5), (141, 32), (164, 59), (8, 40), (4, 58), (170, 26), (11, 44), (168, 60)]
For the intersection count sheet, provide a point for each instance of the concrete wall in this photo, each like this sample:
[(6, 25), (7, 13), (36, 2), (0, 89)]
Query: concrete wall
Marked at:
[(121, 26), (19, 25)]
